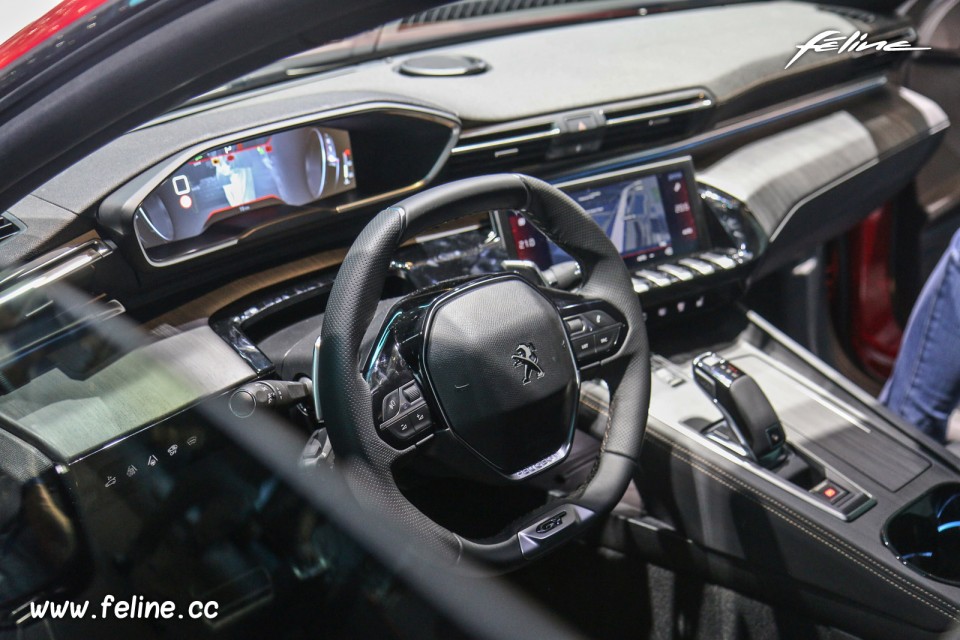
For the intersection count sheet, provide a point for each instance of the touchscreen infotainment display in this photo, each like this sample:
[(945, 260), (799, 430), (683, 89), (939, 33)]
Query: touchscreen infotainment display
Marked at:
[(294, 168), (647, 214)]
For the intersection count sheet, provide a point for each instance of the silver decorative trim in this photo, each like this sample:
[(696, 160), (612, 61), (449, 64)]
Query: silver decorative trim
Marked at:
[(563, 516), (543, 465), (700, 105), (315, 372), (700, 100), (505, 142), (880, 412), (728, 129), (52, 267), (684, 163)]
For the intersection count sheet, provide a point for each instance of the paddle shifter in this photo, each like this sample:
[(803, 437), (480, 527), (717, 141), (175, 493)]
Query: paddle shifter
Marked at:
[(751, 422)]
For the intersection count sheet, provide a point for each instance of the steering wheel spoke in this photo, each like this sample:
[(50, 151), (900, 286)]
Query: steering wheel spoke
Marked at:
[(404, 412)]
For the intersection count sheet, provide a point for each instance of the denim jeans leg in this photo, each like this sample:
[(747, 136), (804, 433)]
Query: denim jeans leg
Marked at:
[(925, 385)]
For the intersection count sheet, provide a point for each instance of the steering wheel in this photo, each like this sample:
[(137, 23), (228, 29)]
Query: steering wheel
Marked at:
[(488, 368)]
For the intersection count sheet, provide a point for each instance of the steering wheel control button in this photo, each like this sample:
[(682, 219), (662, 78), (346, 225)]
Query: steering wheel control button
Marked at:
[(408, 414), (600, 319), (606, 339), (391, 405), (575, 324), (411, 393), (584, 348), (421, 418), (402, 428), (537, 537)]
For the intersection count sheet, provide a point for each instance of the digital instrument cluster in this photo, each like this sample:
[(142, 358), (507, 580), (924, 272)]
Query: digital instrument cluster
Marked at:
[(293, 168), (279, 184)]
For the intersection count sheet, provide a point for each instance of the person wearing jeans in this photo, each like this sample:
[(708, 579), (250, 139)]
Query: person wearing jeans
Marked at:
[(925, 385)]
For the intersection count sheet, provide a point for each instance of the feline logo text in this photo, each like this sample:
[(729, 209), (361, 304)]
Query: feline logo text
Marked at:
[(858, 42)]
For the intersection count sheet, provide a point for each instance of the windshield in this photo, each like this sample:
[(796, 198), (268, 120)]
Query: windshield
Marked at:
[(37, 34)]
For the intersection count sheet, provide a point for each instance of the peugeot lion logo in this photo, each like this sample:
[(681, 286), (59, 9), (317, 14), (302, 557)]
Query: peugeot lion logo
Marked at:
[(526, 356)]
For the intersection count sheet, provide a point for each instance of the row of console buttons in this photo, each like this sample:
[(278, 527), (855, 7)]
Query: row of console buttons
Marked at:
[(686, 269), (405, 412), (593, 335)]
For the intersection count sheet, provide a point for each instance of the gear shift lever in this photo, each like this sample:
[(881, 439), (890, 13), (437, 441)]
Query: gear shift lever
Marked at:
[(751, 419)]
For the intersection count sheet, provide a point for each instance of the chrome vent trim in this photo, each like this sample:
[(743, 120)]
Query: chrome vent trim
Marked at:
[(509, 141), (629, 123), (9, 226), (641, 110), (52, 267)]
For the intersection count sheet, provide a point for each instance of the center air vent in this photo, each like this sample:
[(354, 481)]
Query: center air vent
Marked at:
[(8, 228), (491, 150), (654, 122), (621, 126)]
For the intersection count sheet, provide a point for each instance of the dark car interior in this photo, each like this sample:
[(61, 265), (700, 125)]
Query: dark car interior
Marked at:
[(590, 303)]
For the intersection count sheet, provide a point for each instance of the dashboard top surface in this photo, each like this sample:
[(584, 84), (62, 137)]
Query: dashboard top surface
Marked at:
[(641, 56)]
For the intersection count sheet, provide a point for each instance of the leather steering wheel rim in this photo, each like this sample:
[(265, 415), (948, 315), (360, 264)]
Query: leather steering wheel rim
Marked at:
[(345, 396)]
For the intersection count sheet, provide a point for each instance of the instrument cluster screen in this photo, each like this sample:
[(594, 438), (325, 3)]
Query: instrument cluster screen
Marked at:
[(294, 168), (647, 217)]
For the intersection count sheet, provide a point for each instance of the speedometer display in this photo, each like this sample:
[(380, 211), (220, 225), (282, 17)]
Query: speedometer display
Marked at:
[(294, 168)]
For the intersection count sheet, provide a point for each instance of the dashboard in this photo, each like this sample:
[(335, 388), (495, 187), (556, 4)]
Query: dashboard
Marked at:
[(224, 233)]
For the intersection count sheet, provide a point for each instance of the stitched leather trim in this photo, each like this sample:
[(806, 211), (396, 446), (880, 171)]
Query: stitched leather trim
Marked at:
[(596, 405)]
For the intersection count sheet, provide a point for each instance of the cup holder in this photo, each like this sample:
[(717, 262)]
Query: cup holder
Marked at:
[(925, 535)]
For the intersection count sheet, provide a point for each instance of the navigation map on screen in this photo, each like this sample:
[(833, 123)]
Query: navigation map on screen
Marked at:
[(647, 217)]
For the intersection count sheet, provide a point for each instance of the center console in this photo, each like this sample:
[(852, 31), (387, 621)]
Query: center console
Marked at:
[(763, 469), (857, 524)]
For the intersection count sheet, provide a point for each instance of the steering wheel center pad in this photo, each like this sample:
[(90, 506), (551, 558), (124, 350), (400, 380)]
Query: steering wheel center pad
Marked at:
[(499, 362)]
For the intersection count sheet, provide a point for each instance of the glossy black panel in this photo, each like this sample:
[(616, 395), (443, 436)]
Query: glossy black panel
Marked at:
[(179, 513)]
